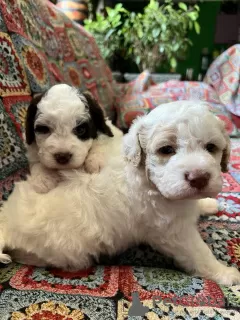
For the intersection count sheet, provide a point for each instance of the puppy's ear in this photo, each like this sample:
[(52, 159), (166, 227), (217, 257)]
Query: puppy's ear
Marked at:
[(226, 155), (97, 114), (131, 144), (30, 118), (227, 150)]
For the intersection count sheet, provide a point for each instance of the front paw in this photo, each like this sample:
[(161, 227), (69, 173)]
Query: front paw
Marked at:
[(5, 258), (208, 206), (43, 185), (94, 164), (228, 276)]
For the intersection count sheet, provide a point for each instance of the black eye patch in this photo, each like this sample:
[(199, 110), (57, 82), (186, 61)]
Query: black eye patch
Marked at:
[(211, 148), (42, 129), (83, 131)]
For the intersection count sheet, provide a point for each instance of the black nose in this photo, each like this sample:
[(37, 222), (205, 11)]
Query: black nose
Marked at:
[(198, 180), (62, 158)]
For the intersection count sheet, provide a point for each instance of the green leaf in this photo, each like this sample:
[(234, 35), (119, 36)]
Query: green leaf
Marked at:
[(164, 27), (182, 6), (155, 33), (140, 33), (118, 6), (161, 49), (193, 15), (138, 59), (173, 62), (197, 7), (176, 46), (153, 5), (108, 35), (197, 27), (108, 9)]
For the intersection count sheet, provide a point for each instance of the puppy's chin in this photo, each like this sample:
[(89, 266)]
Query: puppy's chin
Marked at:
[(189, 193), (191, 196)]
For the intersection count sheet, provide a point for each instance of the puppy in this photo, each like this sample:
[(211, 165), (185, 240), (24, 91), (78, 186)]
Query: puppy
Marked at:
[(173, 160), (63, 130)]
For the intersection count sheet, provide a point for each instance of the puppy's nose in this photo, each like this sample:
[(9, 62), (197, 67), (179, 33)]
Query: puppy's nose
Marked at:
[(198, 180), (62, 158)]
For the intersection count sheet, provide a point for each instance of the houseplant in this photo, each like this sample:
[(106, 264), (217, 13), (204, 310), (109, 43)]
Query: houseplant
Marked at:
[(159, 34), (108, 32)]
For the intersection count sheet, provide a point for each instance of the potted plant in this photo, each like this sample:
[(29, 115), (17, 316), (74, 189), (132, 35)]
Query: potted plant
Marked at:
[(108, 32), (159, 34)]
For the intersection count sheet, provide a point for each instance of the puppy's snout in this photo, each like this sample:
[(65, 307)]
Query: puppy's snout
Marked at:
[(198, 180), (63, 158)]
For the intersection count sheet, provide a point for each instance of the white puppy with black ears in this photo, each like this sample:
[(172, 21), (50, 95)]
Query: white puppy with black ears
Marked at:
[(174, 158), (64, 129)]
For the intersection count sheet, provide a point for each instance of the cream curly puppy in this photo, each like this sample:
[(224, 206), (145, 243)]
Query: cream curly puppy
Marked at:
[(173, 159), (64, 129)]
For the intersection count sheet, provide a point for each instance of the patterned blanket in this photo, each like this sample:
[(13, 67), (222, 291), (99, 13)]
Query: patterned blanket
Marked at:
[(105, 291)]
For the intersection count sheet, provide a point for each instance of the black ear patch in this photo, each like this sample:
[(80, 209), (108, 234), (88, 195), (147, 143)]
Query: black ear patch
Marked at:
[(97, 114), (30, 118)]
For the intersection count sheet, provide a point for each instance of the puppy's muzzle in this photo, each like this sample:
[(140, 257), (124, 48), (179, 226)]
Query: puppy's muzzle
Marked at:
[(197, 179), (62, 158)]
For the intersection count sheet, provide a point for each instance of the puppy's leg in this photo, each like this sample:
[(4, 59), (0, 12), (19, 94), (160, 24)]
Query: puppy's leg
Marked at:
[(4, 258), (43, 180), (208, 206), (190, 251), (95, 160), (27, 258)]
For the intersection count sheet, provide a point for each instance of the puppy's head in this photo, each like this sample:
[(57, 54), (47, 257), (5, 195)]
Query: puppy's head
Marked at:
[(182, 147), (62, 124)]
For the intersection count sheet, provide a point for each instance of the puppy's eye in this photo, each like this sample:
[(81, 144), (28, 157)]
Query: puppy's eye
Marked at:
[(166, 150), (81, 130), (211, 148), (42, 129)]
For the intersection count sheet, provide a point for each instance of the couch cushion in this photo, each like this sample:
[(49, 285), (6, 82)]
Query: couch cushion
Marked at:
[(224, 76), (141, 96), (39, 47)]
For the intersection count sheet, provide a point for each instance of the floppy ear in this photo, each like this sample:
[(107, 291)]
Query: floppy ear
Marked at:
[(227, 150), (97, 114), (131, 144), (226, 155), (30, 118)]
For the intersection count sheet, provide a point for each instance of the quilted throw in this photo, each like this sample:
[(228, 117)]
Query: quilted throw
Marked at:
[(224, 76)]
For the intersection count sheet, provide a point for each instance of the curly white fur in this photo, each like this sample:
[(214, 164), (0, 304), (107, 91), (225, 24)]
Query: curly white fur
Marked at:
[(147, 199)]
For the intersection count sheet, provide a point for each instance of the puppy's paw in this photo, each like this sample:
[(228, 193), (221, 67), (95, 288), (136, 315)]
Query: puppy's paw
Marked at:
[(43, 185), (228, 276), (5, 258), (208, 206), (94, 163)]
